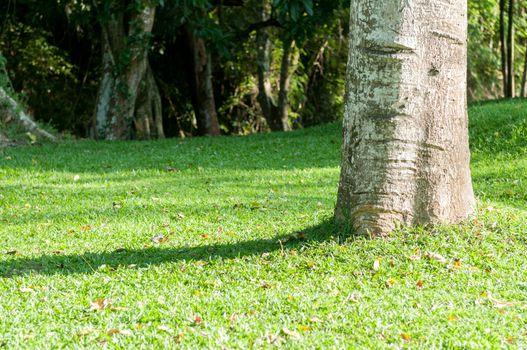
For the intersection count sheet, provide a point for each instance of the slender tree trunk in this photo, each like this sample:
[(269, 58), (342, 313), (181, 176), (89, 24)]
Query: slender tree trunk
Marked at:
[(287, 69), (125, 60), (148, 120), (203, 94), (511, 86), (11, 111), (405, 156), (503, 48), (524, 76), (265, 95)]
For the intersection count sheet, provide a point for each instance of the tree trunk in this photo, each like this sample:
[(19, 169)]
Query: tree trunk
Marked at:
[(503, 49), (287, 69), (10, 111), (405, 155), (203, 94), (524, 76), (125, 60), (265, 95), (148, 119), (510, 53)]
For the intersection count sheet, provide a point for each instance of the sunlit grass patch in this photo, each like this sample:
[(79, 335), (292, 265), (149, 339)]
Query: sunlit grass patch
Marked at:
[(230, 243)]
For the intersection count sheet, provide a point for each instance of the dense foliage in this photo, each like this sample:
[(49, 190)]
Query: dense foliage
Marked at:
[(209, 59)]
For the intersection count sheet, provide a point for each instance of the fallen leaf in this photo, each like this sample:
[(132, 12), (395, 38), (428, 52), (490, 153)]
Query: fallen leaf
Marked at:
[(419, 284), (159, 239), (164, 328), (452, 317), (198, 320), (499, 304), (457, 264), (376, 264), (405, 337), (233, 317), (390, 282), (304, 328), (85, 331), (290, 333), (86, 228), (266, 286), (315, 319), (435, 256), (100, 304)]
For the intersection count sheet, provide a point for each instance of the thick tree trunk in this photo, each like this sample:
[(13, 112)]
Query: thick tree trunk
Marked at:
[(203, 94), (503, 49), (10, 111), (511, 86), (405, 156), (125, 60)]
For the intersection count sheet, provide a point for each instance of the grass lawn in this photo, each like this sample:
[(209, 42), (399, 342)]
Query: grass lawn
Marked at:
[(229, 243)]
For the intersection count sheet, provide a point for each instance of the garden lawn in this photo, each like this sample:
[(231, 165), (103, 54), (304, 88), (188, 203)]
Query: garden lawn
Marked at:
[(229, 243)]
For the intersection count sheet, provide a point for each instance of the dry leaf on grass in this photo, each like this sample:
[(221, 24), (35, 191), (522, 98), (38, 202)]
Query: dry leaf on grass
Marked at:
[(100, 304)]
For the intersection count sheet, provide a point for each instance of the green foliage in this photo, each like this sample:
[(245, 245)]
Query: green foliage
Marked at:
[(228, 242)]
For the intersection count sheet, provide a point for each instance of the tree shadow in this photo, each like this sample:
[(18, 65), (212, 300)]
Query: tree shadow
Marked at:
[(87, 263)]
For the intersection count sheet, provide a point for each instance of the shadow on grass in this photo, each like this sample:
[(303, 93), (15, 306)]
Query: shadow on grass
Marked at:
[(90, 262)]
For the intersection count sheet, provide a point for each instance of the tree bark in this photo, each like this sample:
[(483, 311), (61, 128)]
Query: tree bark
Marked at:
[(524, 76), (503, 49), (511, 86), (203, 94), (125, 60), (287, 69), (405, 155), (10, 111), (265, 95), (148, 119)]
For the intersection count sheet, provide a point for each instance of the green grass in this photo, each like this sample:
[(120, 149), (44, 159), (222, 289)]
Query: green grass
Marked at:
[(250, 257)]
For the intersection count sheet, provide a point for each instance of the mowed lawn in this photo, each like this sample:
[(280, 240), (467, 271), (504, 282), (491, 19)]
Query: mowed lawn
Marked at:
[(229, 243)]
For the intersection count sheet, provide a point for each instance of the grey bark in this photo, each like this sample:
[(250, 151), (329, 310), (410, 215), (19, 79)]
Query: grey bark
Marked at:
[(148, 119), (119, 87), (405, 155), (287, 69), (266, 99), (203, 94), (511, 85), (10, 111), (524, 76)]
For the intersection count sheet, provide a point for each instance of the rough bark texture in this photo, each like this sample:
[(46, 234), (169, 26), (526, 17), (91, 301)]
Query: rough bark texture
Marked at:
[(203, 94), (10, 111), (265, 95), (511, 85), (503, 49), (125, 60), (405, 156), (524, 75), (287, 68), (148, 119)]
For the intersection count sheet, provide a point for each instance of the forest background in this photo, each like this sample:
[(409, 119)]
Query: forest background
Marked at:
[(178, 68)]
